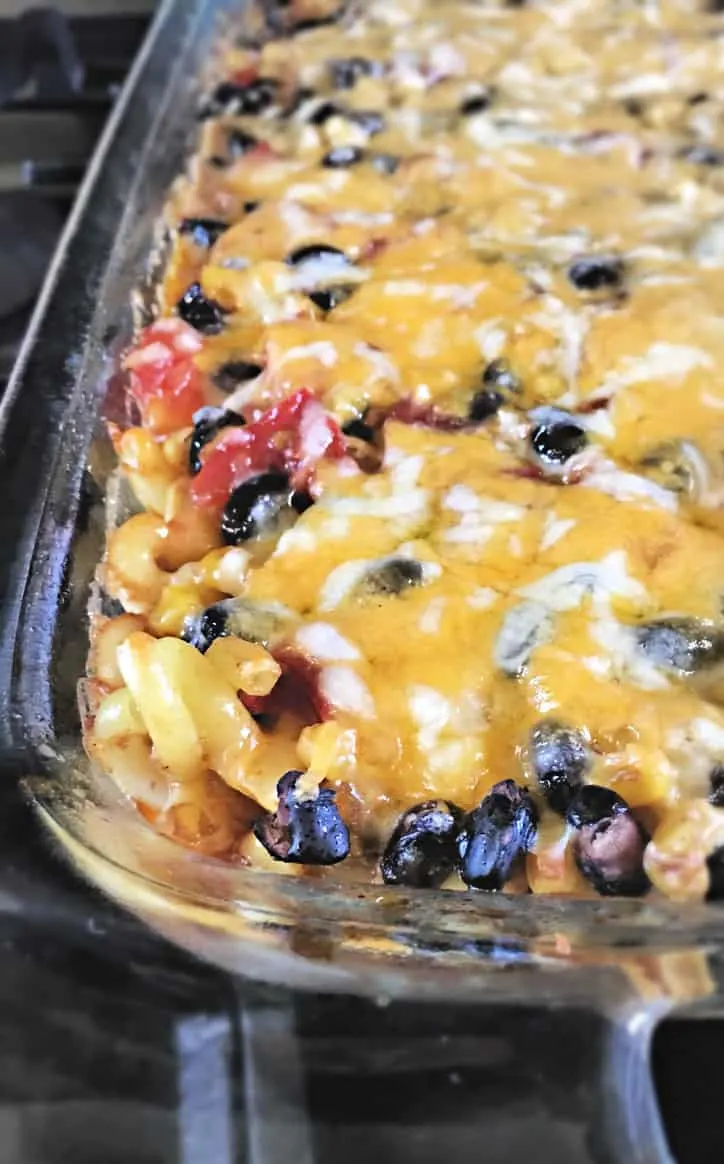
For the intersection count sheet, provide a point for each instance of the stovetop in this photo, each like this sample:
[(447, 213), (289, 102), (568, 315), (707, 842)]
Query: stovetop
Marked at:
[(60, 69), (117, 1047)]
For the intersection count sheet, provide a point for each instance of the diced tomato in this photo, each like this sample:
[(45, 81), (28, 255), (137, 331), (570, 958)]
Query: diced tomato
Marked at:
[(255, 704), (164, 380), (147, 812), (318, 436), (297, 691), (293, 436), (372, 249), (594, 405), (526, 472), (300, 677), (245, 76), (262, 152)]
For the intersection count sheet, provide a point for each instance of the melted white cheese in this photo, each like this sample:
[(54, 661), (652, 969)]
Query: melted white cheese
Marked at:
[(662, 361), (554, 529), (565, 588), (431, 712), (694, 749), (346, 691), (323, 641), (431, 618), (608, 478), (479, 515), (482, 598), (622, 660), (322, 350), (341, 581)]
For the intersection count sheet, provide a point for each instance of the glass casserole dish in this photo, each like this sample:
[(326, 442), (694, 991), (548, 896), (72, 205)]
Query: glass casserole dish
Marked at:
[(376, 939)]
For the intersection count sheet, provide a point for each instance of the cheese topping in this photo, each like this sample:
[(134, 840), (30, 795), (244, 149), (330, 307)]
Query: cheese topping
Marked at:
[(458, 267)]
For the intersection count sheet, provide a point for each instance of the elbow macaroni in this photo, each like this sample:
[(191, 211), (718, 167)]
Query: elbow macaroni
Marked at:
[(191, 712)]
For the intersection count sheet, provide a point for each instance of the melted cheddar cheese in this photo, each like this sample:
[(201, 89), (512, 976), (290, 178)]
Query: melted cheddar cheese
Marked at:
[(462, 232)]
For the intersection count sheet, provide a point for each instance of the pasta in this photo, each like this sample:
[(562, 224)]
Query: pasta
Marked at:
[(427, 437)]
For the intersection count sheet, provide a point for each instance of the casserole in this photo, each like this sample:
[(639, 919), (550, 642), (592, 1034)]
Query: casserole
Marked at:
[(426, 434), (374, 939)]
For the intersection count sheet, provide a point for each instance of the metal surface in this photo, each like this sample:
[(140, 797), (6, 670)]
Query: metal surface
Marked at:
[(10, 8), (58, 77)]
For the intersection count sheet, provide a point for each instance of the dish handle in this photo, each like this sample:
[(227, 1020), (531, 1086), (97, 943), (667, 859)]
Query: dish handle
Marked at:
[(624, 1123), (554, 1085)]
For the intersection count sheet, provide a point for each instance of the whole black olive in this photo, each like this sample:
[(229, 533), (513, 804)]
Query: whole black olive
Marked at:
[(495, 834), (340, 157), (360, 430), (499, 384), (255, 507), (203, 629), (307, 23), (235, 372), (685, 646), (205, 315), (241, 618), (499, 374), (484, 404), (322, 262), (323, 112), (715, 867), (422, 849), (242, 100), (301, 501), (346, 72), (596, 273), (716, 784), (327, 298), (555, 437), (608, 843), (311, 252), (304, 830), (477, 103), (207, 423)]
